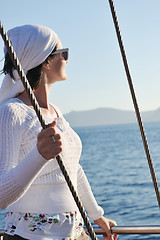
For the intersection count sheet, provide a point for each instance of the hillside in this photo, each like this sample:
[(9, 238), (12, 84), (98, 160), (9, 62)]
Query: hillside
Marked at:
[(105, 116)]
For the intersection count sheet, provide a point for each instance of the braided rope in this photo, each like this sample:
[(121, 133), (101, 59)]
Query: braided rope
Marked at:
[(40, 117), (144, 139)]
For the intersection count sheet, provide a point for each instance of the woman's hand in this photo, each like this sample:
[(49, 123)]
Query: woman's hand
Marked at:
[(106, 224), (49, 142)]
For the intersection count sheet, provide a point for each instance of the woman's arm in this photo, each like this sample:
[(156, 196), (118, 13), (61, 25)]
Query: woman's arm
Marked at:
[(95, 212), (16, 178), (86, 196)]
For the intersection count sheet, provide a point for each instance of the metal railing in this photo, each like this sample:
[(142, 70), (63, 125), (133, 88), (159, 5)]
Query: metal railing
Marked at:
[(123, 230)]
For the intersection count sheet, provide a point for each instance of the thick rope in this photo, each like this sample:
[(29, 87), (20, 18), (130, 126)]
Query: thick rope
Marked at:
[(144, 139), (35, 104)]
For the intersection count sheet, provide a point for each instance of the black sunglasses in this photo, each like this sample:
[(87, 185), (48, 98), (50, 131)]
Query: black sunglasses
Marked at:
[(64, 51)]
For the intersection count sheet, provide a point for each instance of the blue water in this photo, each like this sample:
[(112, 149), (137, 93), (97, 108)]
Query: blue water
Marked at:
[(116, 166), (114, 161)]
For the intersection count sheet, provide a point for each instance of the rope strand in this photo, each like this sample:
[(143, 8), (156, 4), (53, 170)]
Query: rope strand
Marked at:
[(144, 139), (41, 119)]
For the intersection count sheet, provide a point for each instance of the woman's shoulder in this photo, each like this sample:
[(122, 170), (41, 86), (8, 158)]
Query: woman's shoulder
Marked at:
[(15, 109), (9, 106)]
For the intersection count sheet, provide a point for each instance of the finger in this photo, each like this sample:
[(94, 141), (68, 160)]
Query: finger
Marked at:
[(115, 237), (53, 124), (106, 237), (110, 237), (113, 223), (45, 133), (56, 137), (49, 132), (50, 127), (58, 144), (57, 151)]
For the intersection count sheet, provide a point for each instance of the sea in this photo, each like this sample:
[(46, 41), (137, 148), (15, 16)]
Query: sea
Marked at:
[(116, 166)]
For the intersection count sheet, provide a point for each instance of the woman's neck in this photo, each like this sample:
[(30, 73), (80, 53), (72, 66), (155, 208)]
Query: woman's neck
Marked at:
[(42, 95)]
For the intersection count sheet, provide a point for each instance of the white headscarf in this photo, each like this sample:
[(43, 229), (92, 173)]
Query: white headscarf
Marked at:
[(32, 44)]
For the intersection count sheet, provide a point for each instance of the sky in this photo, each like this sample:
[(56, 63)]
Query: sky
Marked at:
[(96, 76)]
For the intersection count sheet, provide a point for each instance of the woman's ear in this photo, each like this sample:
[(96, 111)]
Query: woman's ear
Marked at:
[(46, 65)]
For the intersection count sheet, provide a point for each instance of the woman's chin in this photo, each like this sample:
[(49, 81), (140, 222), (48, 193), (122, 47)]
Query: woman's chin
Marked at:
[(64, 77), (61, 78)]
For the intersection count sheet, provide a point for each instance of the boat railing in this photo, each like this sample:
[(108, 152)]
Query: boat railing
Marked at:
[(123, 230)]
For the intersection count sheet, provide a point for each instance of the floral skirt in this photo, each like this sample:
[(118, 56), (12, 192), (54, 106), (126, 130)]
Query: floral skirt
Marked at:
[(34, 226)]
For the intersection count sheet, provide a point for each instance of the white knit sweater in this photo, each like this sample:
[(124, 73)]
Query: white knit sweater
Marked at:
[(23, 168)]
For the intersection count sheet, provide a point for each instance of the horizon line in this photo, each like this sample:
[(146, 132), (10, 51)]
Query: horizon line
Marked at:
[(113, 108)]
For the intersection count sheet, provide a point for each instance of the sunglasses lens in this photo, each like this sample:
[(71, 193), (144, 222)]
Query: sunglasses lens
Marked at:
[(65, 55)]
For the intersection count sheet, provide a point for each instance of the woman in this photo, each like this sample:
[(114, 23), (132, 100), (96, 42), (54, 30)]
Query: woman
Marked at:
[(32, 187)]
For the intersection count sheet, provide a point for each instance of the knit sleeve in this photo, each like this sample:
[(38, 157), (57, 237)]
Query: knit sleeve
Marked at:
[(86, 196), (15, 178)]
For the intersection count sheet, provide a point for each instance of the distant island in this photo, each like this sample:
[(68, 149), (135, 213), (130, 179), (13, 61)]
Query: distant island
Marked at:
[(107, 116)]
